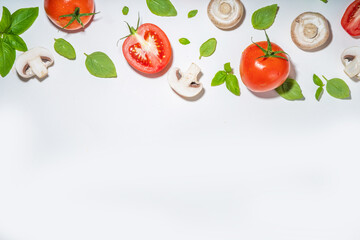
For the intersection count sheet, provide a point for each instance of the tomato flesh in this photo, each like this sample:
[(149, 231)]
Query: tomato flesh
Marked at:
[(351, 19), (56, 8), (261, 74), (148, 50)]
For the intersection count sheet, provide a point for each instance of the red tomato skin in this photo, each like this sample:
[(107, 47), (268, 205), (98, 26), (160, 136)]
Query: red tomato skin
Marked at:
[(351, 19), (148, 66), (56, 8), (263, 74)]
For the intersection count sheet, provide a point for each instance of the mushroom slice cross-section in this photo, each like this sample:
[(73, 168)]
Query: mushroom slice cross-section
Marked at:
[(351, 60), (185, 84), (310, 31), (225, 14), (34, 62)]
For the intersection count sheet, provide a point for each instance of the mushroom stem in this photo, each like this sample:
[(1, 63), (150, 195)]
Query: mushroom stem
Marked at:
[(38, 67), (192, 72), (353, 68)]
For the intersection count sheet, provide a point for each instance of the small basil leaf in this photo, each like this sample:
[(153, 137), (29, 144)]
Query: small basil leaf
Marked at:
[(220, 78), (184, 41), (227, 67), (5, 20), (232, 84), (163, 8), (318, 81), (15, 42), (337, 88), (22, 19), (290, 90), (192, 13), (125, 10), (319, 93), (100, 65), (64, 48), (7, 58), (264, 17), (208, 48)]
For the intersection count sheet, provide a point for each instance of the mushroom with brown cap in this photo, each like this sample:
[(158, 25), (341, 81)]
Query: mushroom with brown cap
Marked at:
[(187, 84), (351, 60), (310, 31), (225, 14), (34, 62)]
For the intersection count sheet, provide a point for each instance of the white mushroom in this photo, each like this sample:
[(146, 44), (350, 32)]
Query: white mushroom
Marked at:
[(186, 85), (310, 31), (225, 14), (351, 60), (34, 62)]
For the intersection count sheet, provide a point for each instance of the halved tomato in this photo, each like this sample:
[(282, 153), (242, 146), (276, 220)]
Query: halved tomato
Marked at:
[(351, 19), (147, 49)]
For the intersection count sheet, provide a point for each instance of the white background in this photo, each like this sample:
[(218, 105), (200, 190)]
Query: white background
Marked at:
[(127, 158)]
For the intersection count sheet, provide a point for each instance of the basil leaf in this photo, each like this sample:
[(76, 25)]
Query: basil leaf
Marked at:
[(15, 42), (7, 58), (208, 48), (264, 17), (184, 41), (227, 67), (290, 90), (64, 48), (22, 19), (318, 81), (163, 8), (220, 78), (5, 20), (319, 93), (192, 13), (100, 65), (125, 10), (337, 88), (232, 84)]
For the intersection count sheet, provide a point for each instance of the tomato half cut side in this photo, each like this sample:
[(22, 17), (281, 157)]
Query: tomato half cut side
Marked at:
[(148, 49), (351, 19)]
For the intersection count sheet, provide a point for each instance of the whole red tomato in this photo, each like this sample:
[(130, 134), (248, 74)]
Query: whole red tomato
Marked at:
[(147, 49), (70, 14), (264, 66), (351, 19)]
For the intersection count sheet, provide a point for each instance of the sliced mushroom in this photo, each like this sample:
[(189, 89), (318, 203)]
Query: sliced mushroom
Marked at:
[(225, 14), (310, 31), (351, 60), (186, 85), (34, 62)]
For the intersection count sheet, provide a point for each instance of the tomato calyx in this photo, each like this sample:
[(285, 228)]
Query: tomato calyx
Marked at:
[(76, 16), (269, 53)]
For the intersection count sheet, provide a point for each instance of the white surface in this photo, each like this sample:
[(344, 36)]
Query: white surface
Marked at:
[(126, 158)]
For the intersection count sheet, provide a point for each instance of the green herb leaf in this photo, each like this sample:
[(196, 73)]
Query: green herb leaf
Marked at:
[(184, 41), (208, 48), (125, 10), (290, 90), (5, 20), (325, 1), (318, 81), (264, 17), (319, 93), (7, 58), (192, 13), (163, 8), (220, 78), (337, 88), (100, 65), (15, 42), (22, 19), (64, 48), (232, 84), (227, 67)]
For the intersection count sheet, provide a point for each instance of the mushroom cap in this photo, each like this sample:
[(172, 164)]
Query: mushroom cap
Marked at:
[(310, 31), (351, 61), (22, 62), (225, 14)]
